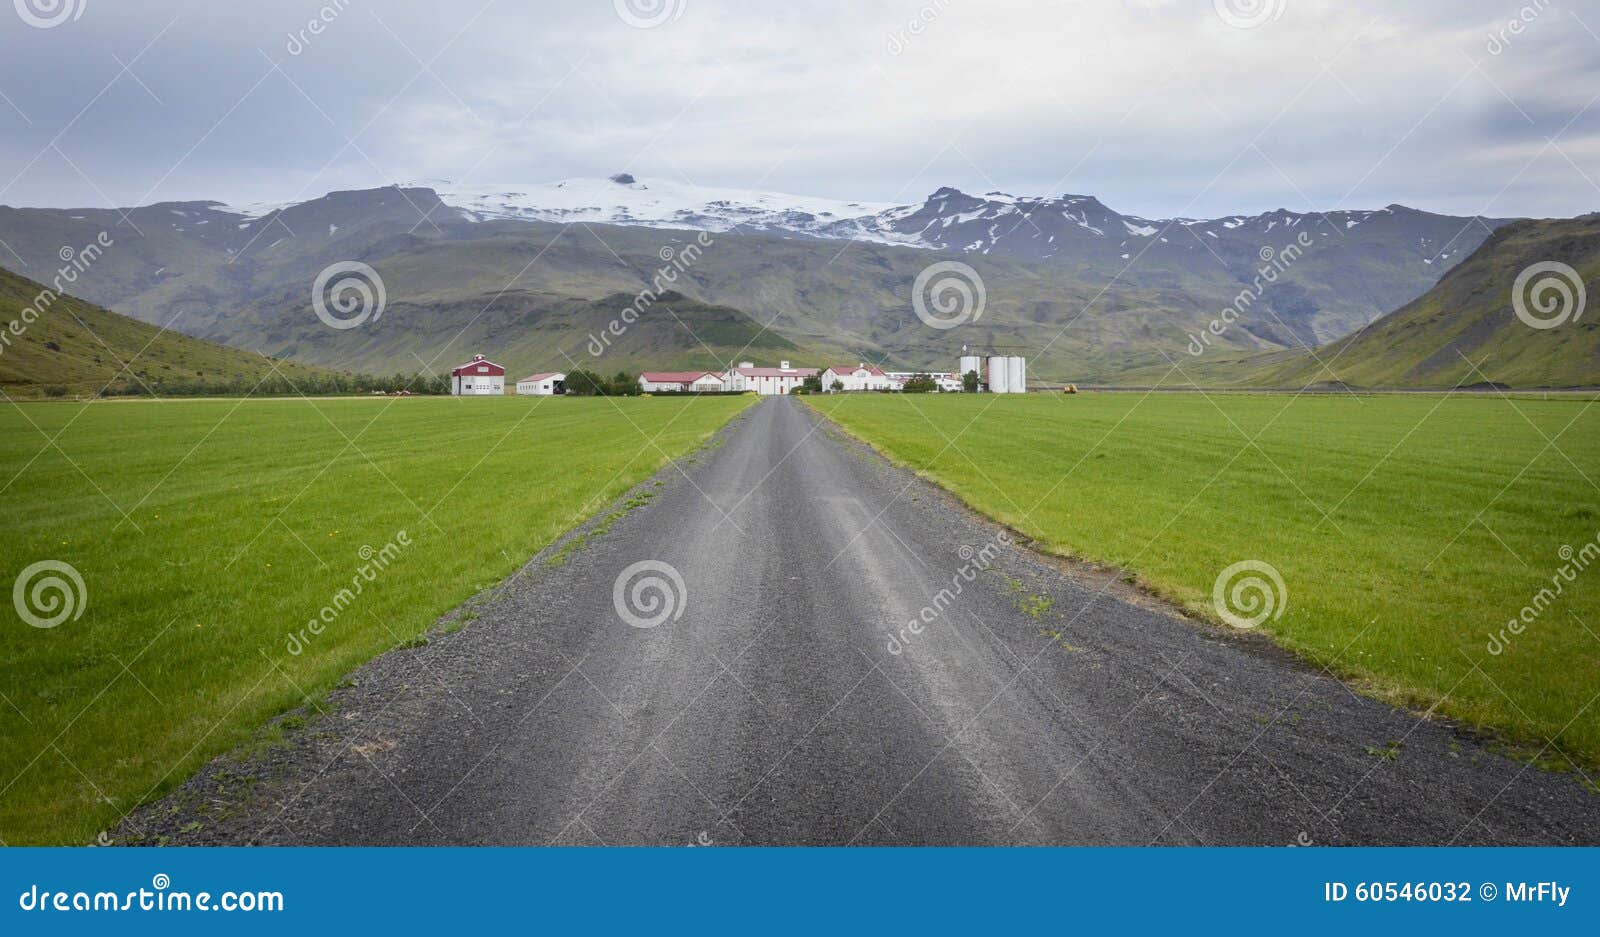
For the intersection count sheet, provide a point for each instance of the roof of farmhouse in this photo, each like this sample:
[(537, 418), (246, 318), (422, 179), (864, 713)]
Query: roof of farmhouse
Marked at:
[(778, 372), (540, 377), (675, 377), (476, 362)]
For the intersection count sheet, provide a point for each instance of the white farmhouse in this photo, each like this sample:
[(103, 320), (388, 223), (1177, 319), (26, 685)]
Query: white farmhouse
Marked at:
[(681, 382), (479, 377), (543, 385), (947, 383), (707, 383), (767, 381), (858, 377)]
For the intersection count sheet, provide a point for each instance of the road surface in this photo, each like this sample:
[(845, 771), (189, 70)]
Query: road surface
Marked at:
[(784, 699)]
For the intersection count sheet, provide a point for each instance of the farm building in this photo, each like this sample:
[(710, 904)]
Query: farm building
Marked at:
[(1007, 374), (859, 377), (543, 385), (479, 377), (947, 383), (687, 382), (768, 381), (997, 374)]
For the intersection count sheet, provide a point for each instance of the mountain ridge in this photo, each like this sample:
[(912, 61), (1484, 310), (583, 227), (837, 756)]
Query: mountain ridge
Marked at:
[(1097, 291)]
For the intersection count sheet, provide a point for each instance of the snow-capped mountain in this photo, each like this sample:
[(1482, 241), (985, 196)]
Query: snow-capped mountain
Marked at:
[(998, 224), (1067, 227), (622, 199), (1045, 258)]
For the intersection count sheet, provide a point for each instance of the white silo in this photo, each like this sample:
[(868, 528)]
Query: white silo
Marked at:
[(998, 375), (1016, 375), (970, 363)]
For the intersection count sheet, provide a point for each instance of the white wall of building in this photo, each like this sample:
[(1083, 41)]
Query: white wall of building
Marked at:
[(478, 385), (735, 379), (704, 384), (543, 387), (857, 379), (767, 381)]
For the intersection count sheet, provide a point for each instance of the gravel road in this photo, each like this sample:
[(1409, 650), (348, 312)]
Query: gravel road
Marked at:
[(784, 699)]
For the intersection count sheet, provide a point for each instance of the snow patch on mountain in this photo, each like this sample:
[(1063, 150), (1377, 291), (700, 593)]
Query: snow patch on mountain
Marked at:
[(626, 200), (1028, 228)]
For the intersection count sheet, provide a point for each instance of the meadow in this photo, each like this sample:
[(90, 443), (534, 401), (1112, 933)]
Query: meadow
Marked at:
[(237, 557), (1410, 532)]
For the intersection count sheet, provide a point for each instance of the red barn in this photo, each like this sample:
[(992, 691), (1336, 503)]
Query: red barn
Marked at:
[(479, 377)]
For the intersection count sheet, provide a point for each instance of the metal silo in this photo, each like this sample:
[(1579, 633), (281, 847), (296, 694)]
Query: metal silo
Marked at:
[(971, 363), (1016, 375), (998, 375)]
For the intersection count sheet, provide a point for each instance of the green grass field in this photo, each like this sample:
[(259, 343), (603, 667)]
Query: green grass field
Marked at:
[(244, 519), (1409, 531)]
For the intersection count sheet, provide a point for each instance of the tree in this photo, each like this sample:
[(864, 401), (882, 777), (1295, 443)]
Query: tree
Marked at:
[(969, 382), (919, 384), (837, 385), (581, 383), (812, 384)]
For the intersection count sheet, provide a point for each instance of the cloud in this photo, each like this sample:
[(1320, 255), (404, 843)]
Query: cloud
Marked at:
[(1159, 107)]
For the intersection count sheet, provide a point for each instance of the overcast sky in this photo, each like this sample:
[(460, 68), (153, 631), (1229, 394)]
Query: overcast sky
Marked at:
[(1159, 107)]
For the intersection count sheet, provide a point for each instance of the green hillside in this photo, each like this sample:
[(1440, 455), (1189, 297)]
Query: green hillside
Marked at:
[(525, 331), (1463, 332), (74, 347), (1466, 331)]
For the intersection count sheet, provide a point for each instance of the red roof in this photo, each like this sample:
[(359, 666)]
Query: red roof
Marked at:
[(540, 377), (478, 361), (675, 377), (777, 372)]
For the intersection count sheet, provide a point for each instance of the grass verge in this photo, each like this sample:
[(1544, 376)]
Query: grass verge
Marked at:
[(1421, 539), (238, 557)]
